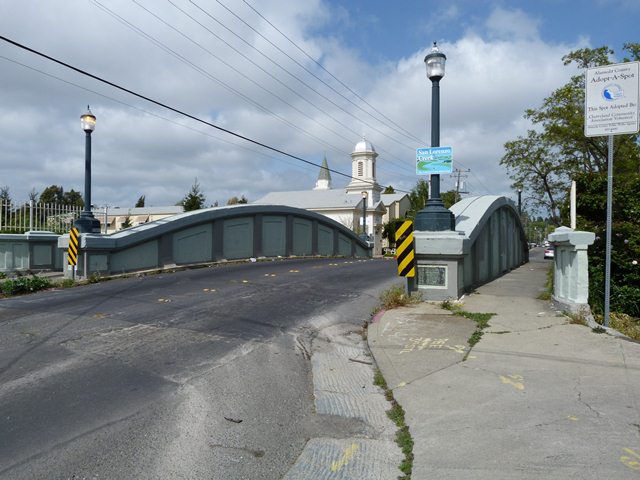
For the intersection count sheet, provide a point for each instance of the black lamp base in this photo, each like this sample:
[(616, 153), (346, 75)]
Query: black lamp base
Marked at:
[(434, 217), (87, 224)]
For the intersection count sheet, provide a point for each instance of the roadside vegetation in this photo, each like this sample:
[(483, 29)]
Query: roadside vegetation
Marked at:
[(25, 284), (403, 436), (481, 319), (395, 297)]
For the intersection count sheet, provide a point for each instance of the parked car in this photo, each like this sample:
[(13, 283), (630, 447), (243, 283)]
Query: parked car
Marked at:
[(548, 252)]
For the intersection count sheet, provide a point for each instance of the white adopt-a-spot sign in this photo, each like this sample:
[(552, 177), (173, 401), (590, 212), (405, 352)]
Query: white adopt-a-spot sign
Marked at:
[(611, 100)]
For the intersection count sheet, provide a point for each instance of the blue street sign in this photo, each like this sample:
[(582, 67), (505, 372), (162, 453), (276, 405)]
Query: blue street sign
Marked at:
[(434, 160)]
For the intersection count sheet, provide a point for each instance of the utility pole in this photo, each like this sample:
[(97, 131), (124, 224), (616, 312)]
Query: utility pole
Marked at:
[(458, 173)]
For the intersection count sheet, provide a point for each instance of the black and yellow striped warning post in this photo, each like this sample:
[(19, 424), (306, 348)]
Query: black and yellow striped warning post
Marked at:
[(404, 250), (72, 252)]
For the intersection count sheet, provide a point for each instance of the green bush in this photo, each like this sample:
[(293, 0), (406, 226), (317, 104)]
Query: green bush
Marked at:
[(625, 241), (24, 285)]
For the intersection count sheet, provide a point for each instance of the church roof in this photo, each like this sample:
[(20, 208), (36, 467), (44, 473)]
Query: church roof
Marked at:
[(389, 198), (313, 199), (363, 146), (324, 174)]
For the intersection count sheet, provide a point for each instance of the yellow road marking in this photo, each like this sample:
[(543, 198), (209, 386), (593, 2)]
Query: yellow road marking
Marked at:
[(573, 417), (348, 454), (630, 461), (514, 380)]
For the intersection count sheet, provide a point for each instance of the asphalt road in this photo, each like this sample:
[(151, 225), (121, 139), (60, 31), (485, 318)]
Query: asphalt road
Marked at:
[(195, 374)]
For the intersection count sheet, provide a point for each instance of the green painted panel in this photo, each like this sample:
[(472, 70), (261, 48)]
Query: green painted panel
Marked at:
[(302, 231), (42, 256), (139, 257), (274, 236), (98, 263), (325, 240), (193, 245), (344, 245), (238, 238)]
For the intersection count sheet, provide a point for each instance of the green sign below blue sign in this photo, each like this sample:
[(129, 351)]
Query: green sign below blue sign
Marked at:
[(434, 160)]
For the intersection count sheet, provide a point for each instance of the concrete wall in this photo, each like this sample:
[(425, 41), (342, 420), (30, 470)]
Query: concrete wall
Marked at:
[(217, 234), (33, 251), (489, 241)]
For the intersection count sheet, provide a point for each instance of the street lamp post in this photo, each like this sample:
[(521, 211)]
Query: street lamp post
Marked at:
[(87, 223), (364, 235), (520, 203), (435, 217)]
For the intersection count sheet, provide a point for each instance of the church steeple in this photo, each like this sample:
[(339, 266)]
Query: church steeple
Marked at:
[(324, 177), (363, 170)]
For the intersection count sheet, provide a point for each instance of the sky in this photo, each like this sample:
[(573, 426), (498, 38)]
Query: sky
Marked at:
[(307, 78)]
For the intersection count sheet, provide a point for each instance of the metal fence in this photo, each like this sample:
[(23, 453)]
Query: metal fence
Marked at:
[(32, 216)]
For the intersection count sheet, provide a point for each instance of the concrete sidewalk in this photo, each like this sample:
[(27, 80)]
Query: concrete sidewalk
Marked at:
[(536, 398)]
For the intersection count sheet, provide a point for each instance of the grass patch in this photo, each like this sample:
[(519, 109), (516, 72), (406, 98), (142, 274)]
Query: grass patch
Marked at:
[(623, 323), (23, 285), (397, 296), (548, 287), (481, 319), (67, 283), (403, 436)]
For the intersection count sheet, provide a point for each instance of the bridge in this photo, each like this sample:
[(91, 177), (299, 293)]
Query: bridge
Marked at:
[(488, 241)]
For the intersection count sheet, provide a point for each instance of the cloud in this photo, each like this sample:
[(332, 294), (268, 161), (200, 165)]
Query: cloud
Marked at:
[(492, 76), (503, 23)]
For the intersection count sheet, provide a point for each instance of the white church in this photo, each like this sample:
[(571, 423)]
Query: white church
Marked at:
[(345, 205)]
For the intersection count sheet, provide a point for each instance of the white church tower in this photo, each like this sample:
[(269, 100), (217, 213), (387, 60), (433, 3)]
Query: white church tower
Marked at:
[(363, 171)]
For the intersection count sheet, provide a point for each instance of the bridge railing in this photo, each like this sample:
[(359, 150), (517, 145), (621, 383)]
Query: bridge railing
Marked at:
[(34, 216)]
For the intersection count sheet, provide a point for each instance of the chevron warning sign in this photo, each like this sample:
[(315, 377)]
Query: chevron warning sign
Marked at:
[(72, 252), (404, 250)]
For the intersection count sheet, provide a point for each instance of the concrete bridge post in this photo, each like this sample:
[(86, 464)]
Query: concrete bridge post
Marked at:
[(571, 268)]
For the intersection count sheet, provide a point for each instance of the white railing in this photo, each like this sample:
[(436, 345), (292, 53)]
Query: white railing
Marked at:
[(31, 216)]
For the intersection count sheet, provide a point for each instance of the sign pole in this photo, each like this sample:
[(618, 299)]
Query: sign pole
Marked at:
[(611, 108), (607, 262)]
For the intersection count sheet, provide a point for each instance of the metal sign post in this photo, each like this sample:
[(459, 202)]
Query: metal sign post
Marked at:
[(72, 251), (611, 108), (405, 253)]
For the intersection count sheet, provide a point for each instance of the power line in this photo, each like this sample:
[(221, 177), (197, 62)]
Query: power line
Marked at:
[(214, 34), (207, 74), (168, 107), (401, 132), (245, 76), (289, 73), (147, 112)]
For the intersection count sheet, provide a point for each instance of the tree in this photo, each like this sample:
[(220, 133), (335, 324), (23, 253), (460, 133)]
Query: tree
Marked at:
[(194, 200), (52, 194), (418, 197), (625, 241), (449, 198), (5, 196), (389, 230), (127, 222), (235, 200), (33, 195), (56, 195), (389, 189), (556, 150), (72, 199), (140, 202)]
